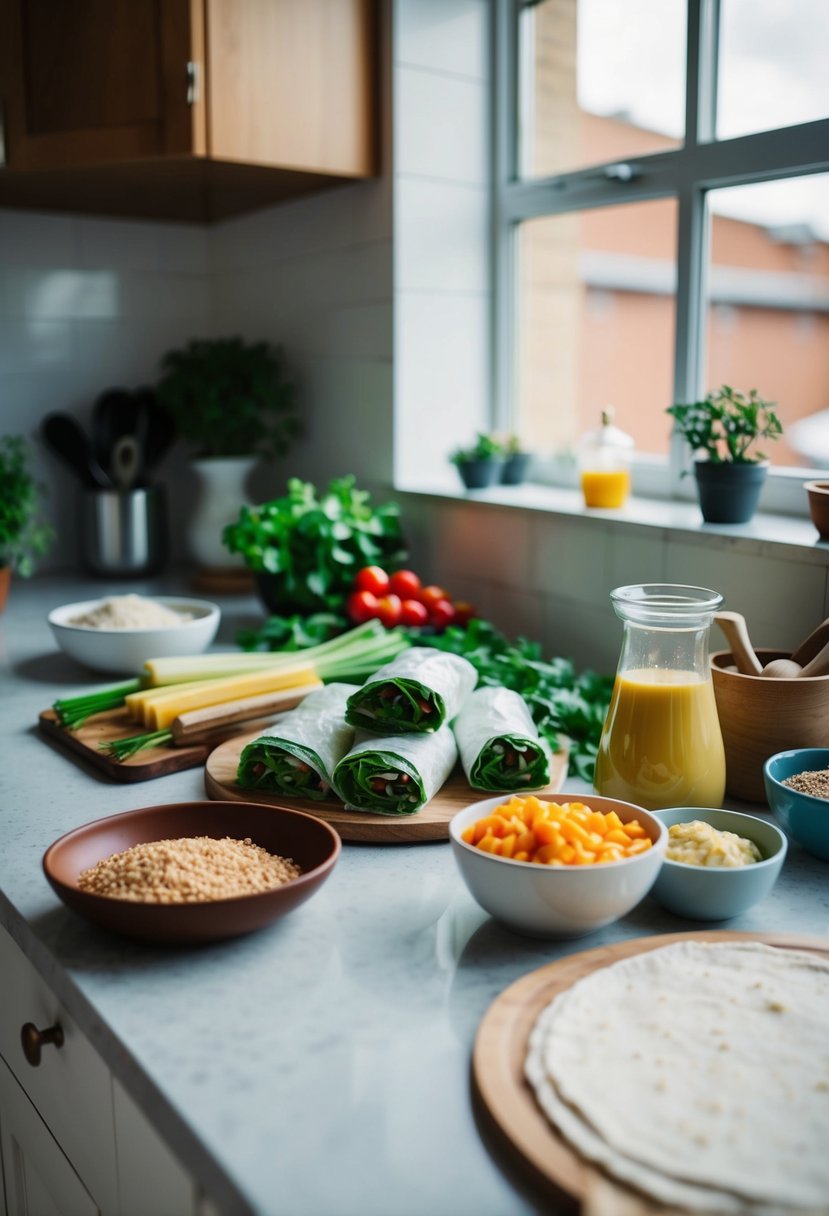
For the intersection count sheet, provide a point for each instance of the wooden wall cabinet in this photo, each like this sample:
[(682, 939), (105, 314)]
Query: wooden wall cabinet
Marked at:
[(183, 109)]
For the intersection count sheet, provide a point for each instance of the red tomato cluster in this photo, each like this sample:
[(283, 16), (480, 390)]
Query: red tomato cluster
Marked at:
[(401, 599)]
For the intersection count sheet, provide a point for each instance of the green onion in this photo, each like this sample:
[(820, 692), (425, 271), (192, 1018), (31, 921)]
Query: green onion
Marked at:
[(122, 749), (73, 711)]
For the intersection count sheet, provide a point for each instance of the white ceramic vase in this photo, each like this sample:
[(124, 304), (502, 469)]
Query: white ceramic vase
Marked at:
[(222, 492)]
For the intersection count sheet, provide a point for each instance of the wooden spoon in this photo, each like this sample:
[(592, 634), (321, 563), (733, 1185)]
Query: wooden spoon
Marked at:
[(733, 625), (811, 650), (818, 666), (808, 648), (782, 669)]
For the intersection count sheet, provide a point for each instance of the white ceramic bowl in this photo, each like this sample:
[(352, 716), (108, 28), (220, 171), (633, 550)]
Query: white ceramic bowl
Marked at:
[(719, 892), (124, 651), (557, 901)]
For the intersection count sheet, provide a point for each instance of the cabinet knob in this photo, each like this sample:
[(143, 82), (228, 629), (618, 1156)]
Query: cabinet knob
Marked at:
[(35, 1040)]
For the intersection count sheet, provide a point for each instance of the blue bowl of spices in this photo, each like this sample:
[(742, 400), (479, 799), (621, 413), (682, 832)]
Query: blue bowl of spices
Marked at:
[(797, 787)]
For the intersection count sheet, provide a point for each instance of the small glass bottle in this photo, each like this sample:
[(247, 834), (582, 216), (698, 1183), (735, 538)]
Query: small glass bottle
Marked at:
[(604, 464), (661, 744)]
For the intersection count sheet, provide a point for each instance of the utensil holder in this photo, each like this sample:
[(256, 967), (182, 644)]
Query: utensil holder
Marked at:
[(124, 532)]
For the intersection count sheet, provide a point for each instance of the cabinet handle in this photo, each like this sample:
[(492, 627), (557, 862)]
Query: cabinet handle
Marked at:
[(35, 1040), (192, 82)]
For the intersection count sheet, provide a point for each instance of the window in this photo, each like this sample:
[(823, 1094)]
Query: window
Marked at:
[(662, 188)]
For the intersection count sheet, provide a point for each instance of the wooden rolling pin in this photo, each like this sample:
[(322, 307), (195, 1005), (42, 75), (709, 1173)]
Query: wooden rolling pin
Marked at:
[(203, 725)]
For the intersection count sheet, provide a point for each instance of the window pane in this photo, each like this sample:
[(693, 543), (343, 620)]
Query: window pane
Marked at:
[(600, 80), (768, 306), (773, 69), (597, 324)]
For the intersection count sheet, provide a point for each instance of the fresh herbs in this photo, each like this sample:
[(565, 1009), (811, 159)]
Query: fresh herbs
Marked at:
[(485, 447), (562, 703), (229, 398), (24, 536), (311, 544), (726, 424), (294, 632), (73, 711)]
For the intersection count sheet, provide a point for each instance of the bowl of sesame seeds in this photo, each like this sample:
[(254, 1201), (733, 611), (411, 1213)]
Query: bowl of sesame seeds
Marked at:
[(797, 788), (191, 872)]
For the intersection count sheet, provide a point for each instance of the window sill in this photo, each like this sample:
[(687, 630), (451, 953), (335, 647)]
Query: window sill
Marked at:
[(781, 536)]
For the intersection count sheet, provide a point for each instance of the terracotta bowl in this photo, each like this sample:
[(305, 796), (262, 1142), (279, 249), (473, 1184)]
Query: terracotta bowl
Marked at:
[(818, 492), (760, 715), (310, 842)]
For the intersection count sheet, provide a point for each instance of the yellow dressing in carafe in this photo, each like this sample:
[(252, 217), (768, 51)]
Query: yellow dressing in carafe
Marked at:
[(661, 744)]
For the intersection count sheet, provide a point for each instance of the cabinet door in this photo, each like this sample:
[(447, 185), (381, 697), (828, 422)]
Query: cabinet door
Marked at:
[(39, 1180), (99, 81)]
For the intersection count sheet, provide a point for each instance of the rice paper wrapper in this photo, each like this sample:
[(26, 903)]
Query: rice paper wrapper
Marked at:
[(315, 732), (427, 759), (490, 715), (420, 673)]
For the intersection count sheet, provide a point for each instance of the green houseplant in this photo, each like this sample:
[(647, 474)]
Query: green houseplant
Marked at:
[(24, 534), (230, 400), (516, 461), (722, 431), (306, 546), (481, 464)]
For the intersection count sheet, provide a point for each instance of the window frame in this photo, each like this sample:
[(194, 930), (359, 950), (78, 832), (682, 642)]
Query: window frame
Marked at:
[(699, 164)]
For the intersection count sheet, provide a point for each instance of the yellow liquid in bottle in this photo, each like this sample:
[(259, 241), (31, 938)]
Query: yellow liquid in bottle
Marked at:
[(605, 487), (661, 744)]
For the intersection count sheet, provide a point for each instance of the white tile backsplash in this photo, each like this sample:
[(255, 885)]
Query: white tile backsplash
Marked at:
[(443, 36), (444, 134)]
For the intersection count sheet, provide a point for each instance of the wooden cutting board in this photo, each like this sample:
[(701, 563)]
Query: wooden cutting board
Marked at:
[(507, 1101), (116, 724), (431, 822)]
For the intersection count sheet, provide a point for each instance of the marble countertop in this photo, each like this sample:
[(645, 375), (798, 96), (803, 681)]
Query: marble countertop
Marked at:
[(321, 1066)]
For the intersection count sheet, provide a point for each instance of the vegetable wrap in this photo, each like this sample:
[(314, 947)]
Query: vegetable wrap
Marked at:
[(396, 775), (499, 743), (296, 755), (419, 690)]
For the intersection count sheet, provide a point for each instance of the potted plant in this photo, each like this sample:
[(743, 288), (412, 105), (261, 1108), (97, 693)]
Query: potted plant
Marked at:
[(482, 464), (24, 535), (721, 430), (306, 547), (229, 399), (515, 462)]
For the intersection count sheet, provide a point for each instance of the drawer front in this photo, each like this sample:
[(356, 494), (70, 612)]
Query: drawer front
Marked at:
[(72, 1087)]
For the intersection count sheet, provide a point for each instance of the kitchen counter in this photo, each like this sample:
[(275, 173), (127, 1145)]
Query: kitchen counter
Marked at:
[(321, 1066)]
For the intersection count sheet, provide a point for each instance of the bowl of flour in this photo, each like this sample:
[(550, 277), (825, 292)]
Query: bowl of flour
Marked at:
[(118, 633)]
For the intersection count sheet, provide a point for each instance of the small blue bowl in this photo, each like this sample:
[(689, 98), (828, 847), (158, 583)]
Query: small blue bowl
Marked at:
[(804, 817), (715, 892)]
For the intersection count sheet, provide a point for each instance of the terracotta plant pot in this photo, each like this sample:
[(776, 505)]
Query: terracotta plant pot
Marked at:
[(729, 493), (818, 492), (5, 583), (761, 715)]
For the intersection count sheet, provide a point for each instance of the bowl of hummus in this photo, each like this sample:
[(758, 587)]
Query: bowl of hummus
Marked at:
[(718, 863)]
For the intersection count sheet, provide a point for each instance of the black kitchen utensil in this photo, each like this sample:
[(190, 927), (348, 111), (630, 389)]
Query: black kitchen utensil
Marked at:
[(114, 414), (160, 430), (68, 440)]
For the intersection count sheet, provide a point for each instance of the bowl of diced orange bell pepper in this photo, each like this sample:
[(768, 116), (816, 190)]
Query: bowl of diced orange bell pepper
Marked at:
[(558, 865)]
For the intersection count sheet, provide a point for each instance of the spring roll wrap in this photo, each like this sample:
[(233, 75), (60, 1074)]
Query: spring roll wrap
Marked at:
[(296, 756), (396, 775), (419, 690), (499, 744)]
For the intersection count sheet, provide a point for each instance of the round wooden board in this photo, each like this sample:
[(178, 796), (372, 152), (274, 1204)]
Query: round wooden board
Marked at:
[(508, 1100), (431, 822)]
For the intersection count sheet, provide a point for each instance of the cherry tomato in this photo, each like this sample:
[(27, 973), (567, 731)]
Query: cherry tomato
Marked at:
[(464, 611), (412, 612), (361, 606), (373, 579), (388, 610), (405, 583), (441, 614), (431, 594)]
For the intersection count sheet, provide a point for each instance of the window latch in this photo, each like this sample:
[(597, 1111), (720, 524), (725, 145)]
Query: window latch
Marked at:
[(622, 172)]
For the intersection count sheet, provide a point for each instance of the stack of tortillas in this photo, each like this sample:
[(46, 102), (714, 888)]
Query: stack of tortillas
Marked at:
[(698, 1073)]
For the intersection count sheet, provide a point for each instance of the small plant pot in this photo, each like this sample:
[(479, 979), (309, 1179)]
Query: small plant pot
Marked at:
[(818, 492), (5, 583), (515, 469), (729, 493), (478, 474)]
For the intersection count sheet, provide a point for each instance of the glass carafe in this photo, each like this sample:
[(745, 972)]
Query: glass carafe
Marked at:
[(661, 744)]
